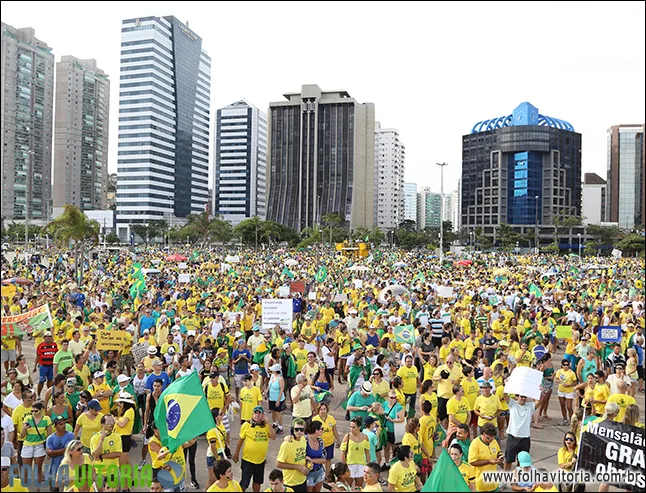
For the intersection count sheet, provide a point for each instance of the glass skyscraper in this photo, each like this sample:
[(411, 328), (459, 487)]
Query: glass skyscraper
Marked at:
[(164, 101)]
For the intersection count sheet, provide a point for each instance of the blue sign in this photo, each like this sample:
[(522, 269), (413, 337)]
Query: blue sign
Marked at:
[(609, 333)]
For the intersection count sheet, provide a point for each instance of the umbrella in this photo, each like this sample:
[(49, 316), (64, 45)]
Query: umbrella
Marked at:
[(17, 280), (400, 264), (176, 257), (392, 291), (233, 259), (359, 268), (291, 262), (465, 263)]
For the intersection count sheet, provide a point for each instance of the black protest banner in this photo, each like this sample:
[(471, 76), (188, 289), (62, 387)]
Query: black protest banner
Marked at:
[(615, 452)]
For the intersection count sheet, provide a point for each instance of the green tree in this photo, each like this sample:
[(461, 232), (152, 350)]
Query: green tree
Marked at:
[(632, 243), (508, 237), (148, 232), (332, 219), (201, 227), (111, 238), (408, 225), (602, 236), (74, 226), (248, 230)]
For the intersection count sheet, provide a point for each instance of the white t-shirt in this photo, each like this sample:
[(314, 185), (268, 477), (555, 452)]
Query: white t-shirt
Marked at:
[(329, 360), (520, 419), (7, 426)]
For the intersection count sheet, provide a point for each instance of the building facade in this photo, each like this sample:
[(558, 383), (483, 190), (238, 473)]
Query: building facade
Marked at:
[(240, 180), (26, 133), (321, 159), (164, 117), (390, 155), (521, 169), (625, 179), (593, 199), (410, 202), (455, 218), (81, 134), (429, 209)]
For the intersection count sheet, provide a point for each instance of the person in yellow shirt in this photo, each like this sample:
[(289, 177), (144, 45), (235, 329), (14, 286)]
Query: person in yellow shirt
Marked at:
[(125, 423), (524, 356), (446, 376), (466, 470), (470, 345), (427, 427), (566, 380), (370, 478), (255, 436), (622, 400), (301, 355), (487, 406), (250, 397), (293, 452), (101, 391), (105, 445), (403, 474), (458, 407), (485, 456), (217, 391), (471, 392), (224, 477), (601, 393), (410, 379)]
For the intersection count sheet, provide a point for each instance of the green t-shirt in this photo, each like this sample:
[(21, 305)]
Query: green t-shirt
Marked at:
[(64, 359), (37, 434)]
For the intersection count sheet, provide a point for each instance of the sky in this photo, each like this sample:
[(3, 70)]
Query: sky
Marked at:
[(432, 69)]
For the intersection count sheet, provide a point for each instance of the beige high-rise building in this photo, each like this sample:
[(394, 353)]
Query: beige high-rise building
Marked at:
[(321, 159), (27, 88), (81, 134)]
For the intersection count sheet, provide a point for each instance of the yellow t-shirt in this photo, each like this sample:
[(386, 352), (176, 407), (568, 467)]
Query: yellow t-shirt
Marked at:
[(328, 432), (293, 452), (249, 398), (565, 455), (233, 485), (403, 477), (500, 394), (444, 352), (456, 343), (566, 379), (256, 443), (539, 488), (432, 397), (217, 436), (429, 371), (177, 456), (471, 391), (111, 443), (88, 427), (216, 395), (468, 472), (18, 415), (444, 386), (368, 487), (427, 426), (622, 400), (478, 451), (126, 430), (413, 442), (37, 432), (601, 393), (105, 403), (488, 406), (355, 451), (71, 472), (301, 358), (380, 388), (460, 408), (526, 359), (409, 379), (469, 347)]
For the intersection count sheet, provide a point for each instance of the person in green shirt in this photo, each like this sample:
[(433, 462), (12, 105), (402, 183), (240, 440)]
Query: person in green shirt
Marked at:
[(64, 358)]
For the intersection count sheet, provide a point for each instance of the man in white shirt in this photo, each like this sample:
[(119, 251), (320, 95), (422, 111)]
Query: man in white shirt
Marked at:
[(255, 340), (352, 321)]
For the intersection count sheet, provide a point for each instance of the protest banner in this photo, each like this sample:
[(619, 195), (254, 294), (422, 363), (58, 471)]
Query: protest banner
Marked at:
[(182, 265), (111, 339), (524, 381), (312, 295), (297, 287), (358, 283), (616, 253), (445, 292), (184, 278), (224, 268), (277, 312), (609, 447), (340, 297), (283, 291), (234, 315), (609, 333), (564, 332), (31, 322), (9, 291), (139, 351)]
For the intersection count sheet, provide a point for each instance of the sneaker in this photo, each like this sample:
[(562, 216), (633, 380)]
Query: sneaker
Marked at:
[(195, 484), (141, 464)]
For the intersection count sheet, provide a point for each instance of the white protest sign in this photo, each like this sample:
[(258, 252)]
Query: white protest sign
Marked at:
[(224, 267), (616, 253), (358, 283), (233, 315), (524, 381), (312, 295), (181, 265), (182, 278), (277, 312), (340, 297), (283, 291), (445, 292)]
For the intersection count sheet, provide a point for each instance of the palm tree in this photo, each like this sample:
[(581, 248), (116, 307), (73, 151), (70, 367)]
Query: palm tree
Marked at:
[(73, 225), (201, 226)]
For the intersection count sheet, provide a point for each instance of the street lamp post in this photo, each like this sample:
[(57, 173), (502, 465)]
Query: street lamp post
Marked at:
[(441, 165), (392, 239), (579, 235), (536, 223)]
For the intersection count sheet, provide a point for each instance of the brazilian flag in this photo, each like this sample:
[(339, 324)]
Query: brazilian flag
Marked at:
[(261, 352), (183, 400), (535, 290), (287, 272), (404, 334), (321, 275), (445, 476)]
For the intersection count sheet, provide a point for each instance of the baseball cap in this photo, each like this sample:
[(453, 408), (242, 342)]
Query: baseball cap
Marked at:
[(368, 421), (275, 367), (486, 384), (366, 387), (256, 328), (58, 419), (406, 346), (99, 374), (146, 331), (524, 459), (123, 378), (94, 404), (222, 350), (213, 374), (254, 368), (47, 333), (370, 347), (259, 409), (6, 461)]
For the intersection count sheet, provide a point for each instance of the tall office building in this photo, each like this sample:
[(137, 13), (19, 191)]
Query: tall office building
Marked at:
[(520, 169), (429, 209), (240, 190), (81, 134), (321, 159), (410, 202), (455, 209), (164, 101), (593, 199), (390, 155), (26, 125), (626, 169)]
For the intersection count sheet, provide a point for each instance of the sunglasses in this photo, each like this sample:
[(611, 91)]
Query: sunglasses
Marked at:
[(80, 449), (296, 430), (392, 397), (569, 439), (4, 469)]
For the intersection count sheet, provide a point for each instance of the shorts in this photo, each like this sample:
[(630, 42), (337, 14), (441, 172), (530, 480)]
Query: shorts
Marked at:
[(210, 462), (46, 373), (146, 440), (329, 452), (356, 470), (251, 471), (437, 342), (504, 414), (391, 437), (237, 381), (277, 408), (330, 373), (315, 477), (514, 446), (441, 409), (9, 355), (569, 395), (126, 361), (32, 451), (426, 466), (640, 372), (125, 443)]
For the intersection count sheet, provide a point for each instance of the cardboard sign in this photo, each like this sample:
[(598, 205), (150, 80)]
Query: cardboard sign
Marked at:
[(341, 297), (564, 332), (358, 283), (277, 312), (297, 287), (609, 333), (139, 351), (445, 292), (111, 339), (559, 295), (181, 265), (524, 381), (233, 315), (616, 253), (184, 278), (312, 295), (283, 291)]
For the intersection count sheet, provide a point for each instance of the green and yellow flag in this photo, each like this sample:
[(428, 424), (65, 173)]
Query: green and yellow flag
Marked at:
[(288, 273), (445, 476), (138, 287), (404, 334), (321, 275), (182, 401), (535, 290)]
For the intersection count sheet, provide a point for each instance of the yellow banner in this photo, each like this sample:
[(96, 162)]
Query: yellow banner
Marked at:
[(9, 291), (111, 339)]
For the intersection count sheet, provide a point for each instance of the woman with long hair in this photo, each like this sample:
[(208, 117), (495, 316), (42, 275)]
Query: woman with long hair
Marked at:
[(330, 434), (35, 429), (545, 365), (355, 451), (276, 395), (380, 387), (393, 414), (218, 444), (14, 397), (61, 408), (567, 457), (632, 416), (321, 383), (339, 477), (22, 371), (403, 475), (466, 470), (317, 453), (74, 457), (124, 423)]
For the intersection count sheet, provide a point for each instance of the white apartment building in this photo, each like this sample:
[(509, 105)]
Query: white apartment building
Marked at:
[(390, 156), (240, 180), (164, 102)]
